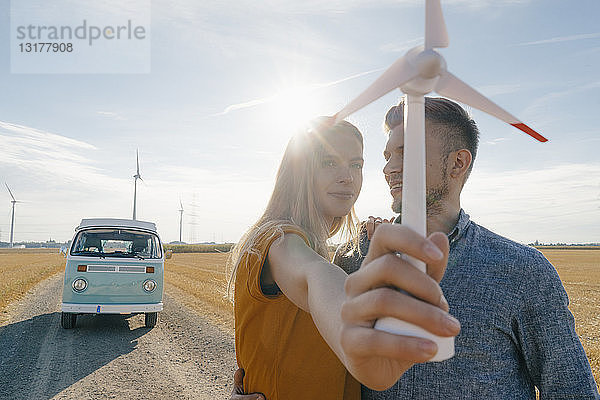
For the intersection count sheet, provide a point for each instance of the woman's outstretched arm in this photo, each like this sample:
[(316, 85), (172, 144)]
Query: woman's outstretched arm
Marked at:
[(345, 315)]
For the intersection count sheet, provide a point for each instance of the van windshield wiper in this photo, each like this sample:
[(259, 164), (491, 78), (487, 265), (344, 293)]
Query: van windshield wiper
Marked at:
[(89, 253), (126, 254)]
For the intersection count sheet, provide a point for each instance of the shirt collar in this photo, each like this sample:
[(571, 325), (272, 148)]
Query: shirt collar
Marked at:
[(458, 230), (460, 227)]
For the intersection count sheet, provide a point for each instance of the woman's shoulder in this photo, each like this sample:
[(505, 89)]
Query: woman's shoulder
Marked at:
[(273, 230), (260, 242)]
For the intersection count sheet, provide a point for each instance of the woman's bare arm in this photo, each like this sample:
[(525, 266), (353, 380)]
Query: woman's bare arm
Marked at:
[(317, 286)]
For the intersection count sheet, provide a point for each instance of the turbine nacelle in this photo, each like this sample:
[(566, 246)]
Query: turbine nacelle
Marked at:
[(427, 65)]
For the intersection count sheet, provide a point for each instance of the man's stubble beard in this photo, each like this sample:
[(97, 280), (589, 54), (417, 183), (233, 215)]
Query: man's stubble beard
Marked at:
[(434, 198)]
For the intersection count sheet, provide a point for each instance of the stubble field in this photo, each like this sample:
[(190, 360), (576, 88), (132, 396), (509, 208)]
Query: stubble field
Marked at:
[(202, 280), (202, 277), (21, 269), (579, 271)]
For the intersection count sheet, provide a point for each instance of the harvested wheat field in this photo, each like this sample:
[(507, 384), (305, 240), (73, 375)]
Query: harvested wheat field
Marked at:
[(21, 269), (203, 280), (579, 271)]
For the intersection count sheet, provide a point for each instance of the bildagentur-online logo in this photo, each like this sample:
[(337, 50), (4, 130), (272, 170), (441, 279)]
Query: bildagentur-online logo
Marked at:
[(89, 33)]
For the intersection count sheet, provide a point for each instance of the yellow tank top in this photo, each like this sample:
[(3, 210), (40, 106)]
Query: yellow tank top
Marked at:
[(278, 344)]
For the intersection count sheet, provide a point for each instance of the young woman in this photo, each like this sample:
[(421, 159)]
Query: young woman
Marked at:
[(284, 284), (290, 335)]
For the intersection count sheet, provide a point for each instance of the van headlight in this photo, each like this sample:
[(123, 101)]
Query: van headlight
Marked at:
[(149, 285), (79, 285)]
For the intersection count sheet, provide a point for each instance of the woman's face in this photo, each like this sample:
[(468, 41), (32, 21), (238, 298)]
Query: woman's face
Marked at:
[(338, 175)]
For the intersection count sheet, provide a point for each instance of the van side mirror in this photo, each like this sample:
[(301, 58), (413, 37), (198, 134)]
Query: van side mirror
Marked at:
[(168, 254)]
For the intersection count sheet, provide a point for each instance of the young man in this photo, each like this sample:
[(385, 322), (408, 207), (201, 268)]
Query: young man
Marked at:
[(516, 330)]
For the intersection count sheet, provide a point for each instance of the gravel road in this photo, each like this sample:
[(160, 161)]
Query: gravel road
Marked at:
[(111, 356)]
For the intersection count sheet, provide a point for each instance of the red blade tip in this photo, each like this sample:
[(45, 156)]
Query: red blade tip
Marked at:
[(530, 132)]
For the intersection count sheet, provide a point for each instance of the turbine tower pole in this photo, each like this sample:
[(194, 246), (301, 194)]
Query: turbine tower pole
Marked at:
[(12, 223), (135, 179), (180, 221), (414, 214), (134, 194)]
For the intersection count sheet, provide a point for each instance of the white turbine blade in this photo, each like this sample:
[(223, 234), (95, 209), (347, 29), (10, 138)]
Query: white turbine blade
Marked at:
[(395, 76), (450, 86), (181, 205), (11, 195), (436, 34), (137, 161)]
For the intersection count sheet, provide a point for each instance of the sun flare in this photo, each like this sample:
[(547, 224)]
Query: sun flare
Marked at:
[(292, 108)]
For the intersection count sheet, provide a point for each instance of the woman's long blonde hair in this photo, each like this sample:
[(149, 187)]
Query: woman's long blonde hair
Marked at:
[(293, 199)]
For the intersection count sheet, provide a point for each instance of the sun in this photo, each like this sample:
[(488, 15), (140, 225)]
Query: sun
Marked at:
[(293, 107)]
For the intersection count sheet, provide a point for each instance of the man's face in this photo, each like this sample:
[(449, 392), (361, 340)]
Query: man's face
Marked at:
[(437, 182)]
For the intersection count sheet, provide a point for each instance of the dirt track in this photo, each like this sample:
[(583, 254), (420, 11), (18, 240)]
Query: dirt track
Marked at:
[(111, 356)]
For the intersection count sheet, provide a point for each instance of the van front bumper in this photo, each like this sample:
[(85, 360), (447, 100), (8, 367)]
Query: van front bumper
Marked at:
[(110, 308)]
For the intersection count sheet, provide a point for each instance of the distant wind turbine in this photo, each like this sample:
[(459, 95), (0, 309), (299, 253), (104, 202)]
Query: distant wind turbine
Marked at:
[(135, 178), (12, 218), (180, 220), (421, 71)]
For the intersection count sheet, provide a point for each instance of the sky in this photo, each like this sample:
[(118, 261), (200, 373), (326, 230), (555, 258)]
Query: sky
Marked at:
[(212, 99)]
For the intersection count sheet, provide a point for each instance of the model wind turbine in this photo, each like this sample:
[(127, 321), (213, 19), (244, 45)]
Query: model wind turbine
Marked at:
[(12, 217), (420, 71), (135, 178), (180, 220)]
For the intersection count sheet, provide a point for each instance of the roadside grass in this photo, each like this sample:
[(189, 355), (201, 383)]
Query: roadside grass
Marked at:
[(21, 269)]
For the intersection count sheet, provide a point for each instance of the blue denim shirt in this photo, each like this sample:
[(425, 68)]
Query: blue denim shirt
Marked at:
[(517, 331)]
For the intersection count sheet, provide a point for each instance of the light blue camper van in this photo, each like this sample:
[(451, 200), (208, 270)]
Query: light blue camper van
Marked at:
[(114, 266)]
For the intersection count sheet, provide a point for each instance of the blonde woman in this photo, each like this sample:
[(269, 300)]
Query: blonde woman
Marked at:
[(287, 295)]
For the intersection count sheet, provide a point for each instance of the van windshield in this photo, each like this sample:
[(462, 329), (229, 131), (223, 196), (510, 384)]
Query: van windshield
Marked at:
[(109, 242)]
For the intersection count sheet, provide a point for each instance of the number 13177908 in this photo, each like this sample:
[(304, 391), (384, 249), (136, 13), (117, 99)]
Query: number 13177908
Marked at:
[(47, 47)]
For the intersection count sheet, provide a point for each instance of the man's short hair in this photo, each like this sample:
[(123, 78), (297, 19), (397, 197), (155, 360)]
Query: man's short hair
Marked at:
[(451, 122)]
